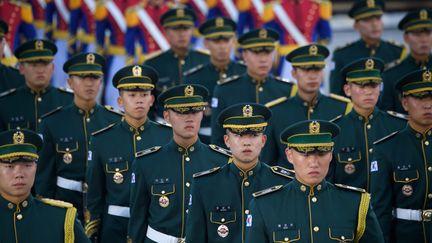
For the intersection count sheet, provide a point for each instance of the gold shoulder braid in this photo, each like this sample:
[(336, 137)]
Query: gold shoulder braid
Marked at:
[(69, 235), (362, 213)]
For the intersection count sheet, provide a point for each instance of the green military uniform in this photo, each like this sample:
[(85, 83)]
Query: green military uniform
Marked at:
[(61, 171), (217, 214), (322, 107), (34, 220), (23, 107), (207, 74), (354, 148), (401, 174), (413, 21), (388, 51), (321, 213), (160, 191), (169, 66), (111, 153)]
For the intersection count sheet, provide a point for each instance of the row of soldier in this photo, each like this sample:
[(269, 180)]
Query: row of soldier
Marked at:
[(352, 161)]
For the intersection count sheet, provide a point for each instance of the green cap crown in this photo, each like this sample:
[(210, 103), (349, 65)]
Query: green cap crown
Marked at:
[(217, 28), (245, 117), (3, 28), (366, 8), (364, 70), (16, 144), (310, 136), (135, 77), (417, 83), (416, 20), (85, 63), (36, 50), (262, 37), (308, 56), (178, 17), (185, 98)]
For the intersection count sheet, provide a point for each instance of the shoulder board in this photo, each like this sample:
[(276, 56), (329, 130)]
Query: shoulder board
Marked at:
[(220, 150), (66, 90), (276, 102), (7, 92), (153, 55), (203, 51), (147, 151), (350, 188), (283, 171), (229, 79), (385, 138), (193, 70), (103, 129), (389, 65), (207, 172), (344, 46), (340, 98), (283, 80), (336, 118), (395, 43), (165, 124), (266, 191), (114, 110), (397, 115), (241, 62), (51, 112), (56, 203)]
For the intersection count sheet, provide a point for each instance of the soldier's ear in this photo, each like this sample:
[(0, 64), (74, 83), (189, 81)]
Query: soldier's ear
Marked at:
[(226, 140), (120, 100), (289, 155), (404, 103), (263, 140), (166, 116), (347, 90)]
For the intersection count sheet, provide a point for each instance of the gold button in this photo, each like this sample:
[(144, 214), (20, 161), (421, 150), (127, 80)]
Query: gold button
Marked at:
[(316, 228), (67, 149), (131, 129), (430, 195), (87, 119), (39, 99), (314, 199), (286, 239), (163, 192), (302, 188), (187, 184), (223, 220), (246, 211), (182, 62), (19, 216), (39, 120), (311, 110), (370, 150), (250, 173), (117, 169), (349, 159), (138, 138), (343, 237), (246, 183), (142, 128), (427, 143), (192, 149), (430, 168), (429, 133), (10, 205), (187, 159), (406, 179), (260, 89), (25, 204), (241, 174), (180, 149), (319, 187)]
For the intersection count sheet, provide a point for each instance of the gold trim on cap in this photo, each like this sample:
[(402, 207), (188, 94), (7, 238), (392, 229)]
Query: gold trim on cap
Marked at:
[(18, 137), (314, 127)]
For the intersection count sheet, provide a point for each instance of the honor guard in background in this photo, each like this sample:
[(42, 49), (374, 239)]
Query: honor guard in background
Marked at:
[(9, 77), (365, 124), (308, 64), (310, 209), (112, 151), (367, 15), (218, 213), (417, 27), (162, 176), (61, 171), (401, 167), (38, 10), (23, 217), (23, 107), (81, 26), (219, 39), (178, 24), (257, 85)]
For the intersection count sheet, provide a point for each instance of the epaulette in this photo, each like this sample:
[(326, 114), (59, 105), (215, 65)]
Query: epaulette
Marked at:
[(340, 98), (395, 43), (220, 150), (350, 188), (165, 124), (147, 151), (276, 102), (193, 70), (283, 171), (241, 62), (385, 138), (7, 92), (51, 112), (227, 80), (344, 46), (278, 78), (66, 90), (153, 55), (392, 64), (336, 118), (203, 51), (56, 203), (397, 115), (103, 129), (267, 191), (114, 110), (207, 172)]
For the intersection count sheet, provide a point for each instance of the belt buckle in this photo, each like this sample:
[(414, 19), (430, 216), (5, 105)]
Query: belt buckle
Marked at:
[(181, 240), (84, 187), (427, 215)]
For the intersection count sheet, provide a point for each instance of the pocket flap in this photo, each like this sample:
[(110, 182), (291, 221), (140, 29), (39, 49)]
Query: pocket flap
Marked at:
[(349, 157), (67, 147), (18, 124), (223, 217), (117, 167), (405, 176), (162, 189), (288, 235), (341, 235)]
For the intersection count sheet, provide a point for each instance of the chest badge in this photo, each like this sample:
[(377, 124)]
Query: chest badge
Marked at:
[(67, 158), (350, 168), (407, 190), (164, 201), (118, 178), (223, 230)]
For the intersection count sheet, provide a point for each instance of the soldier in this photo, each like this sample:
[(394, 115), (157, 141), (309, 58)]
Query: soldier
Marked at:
[(23, 217), (24, 106), (256, 85), (368, 23), (310, 209), (218, 215), (178, 24), (160, 191), (219, 39), (308, 64), (417, 27), (401, 168), (112, 150), (61, 172), (363, 125), (9, 77)]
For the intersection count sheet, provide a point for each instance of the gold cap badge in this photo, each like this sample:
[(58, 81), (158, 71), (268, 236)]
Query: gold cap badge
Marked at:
[(90, 58), (313, 50), (180, 13), (39, 45), (189, 90), (314, 127), (370, 3), (263, 33), (136, 71), (423, 14), (427, 76), (369, 64), (247, 111), (18, 138), (219, 22)]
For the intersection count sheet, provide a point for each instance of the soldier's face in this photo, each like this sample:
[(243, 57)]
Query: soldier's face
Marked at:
[(184, 125), (245, 148), (258, 63), (136, 104), (420, 42), (363, 97), (308, 81), (370, 28), (16, 180), (310, 169), (85, 88), (179, 38), (220, 49), (419, 110), (37, 74)]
